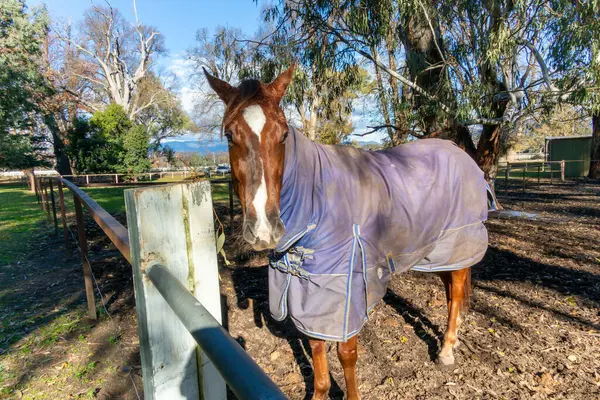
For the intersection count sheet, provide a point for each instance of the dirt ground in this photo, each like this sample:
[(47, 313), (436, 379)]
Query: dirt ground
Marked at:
[(48, 349), (533, 330)]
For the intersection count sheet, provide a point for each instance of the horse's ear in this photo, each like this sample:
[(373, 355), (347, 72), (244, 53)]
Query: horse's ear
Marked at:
[(223, 89), (278, 86)]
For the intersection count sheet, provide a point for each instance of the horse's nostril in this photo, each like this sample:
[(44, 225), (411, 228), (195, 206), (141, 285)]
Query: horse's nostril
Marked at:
[(278, 230), (249, 234)]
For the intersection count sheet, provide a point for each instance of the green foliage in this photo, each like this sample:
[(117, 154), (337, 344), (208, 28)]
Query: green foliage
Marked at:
[(19, 151), (135, 156), (165, 116), (564, 120), (109, 142), (22, 82), (112, 123), (85, 370)]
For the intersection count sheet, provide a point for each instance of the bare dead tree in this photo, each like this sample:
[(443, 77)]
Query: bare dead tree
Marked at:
[(120, 53)]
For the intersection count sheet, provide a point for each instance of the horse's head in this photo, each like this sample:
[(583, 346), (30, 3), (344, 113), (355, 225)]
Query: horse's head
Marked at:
[(256, 129)]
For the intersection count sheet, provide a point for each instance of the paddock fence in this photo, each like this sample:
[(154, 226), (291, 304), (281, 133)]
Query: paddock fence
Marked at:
[(170, 243), (145, 177), (533, 173)]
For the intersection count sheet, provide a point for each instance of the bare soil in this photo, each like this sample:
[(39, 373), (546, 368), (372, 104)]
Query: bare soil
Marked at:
[(532, 332)]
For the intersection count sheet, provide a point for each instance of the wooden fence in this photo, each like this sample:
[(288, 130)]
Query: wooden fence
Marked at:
[(114, 178), (533, 166), (171, 246)]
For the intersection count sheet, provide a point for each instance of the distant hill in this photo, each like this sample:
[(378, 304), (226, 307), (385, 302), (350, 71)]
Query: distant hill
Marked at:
[(197, 145), (205, 145), (368, 144)]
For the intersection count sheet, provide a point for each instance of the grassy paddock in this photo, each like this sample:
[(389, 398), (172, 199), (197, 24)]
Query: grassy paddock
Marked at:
[(20, 218), (112, 198)]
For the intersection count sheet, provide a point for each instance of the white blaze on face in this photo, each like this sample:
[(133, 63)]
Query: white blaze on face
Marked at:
[(255, 118)]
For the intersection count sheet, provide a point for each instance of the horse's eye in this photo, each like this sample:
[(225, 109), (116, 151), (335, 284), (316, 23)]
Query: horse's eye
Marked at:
[(229, 136), (285, 135)]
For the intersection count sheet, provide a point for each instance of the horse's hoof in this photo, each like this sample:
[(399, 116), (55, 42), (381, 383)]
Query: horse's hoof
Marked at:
[(445, 361)]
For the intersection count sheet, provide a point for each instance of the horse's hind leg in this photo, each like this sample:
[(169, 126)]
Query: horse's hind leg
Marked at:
[(458, 288)]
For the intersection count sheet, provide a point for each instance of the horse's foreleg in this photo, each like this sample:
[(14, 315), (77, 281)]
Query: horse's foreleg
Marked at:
[(457, 290), (348, 356), (320, 368)]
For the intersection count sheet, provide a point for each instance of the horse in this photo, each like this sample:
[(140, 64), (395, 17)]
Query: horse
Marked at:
[(339, 221)]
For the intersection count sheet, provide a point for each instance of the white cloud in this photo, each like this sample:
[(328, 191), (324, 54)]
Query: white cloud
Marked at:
[(182, 68)]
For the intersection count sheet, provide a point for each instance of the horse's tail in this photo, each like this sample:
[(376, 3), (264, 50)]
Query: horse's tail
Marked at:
[(464, 307)]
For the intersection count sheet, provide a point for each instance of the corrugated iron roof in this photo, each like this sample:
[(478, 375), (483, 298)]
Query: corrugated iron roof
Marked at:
[(567, 137)]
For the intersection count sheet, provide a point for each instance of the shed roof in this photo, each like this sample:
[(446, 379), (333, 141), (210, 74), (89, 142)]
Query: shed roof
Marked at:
[(568, 137)]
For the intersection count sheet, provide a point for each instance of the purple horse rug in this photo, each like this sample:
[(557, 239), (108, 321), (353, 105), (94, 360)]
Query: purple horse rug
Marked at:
[(353, 217)]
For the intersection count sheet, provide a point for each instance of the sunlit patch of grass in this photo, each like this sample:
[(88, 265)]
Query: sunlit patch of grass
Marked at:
[(20, 218), (60, 327), (83, 371), (112, 199), (114, 339)]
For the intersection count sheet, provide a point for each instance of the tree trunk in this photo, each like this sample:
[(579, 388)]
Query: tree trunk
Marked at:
[(595, 163), (384, 102), (63, 164), (488, 149), (424, 63), (401, 135)]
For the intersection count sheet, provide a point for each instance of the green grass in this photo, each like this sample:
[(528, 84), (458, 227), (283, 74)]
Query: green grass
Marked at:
[(109, 198), (20, 218), (532, 172), (113, 201)]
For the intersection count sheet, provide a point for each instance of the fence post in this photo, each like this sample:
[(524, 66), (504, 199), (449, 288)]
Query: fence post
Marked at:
[(87, 268), (562, 170), (539, 171), (53, 206), (42, 198), (231, 205), (506, 176), (47, 200), (87, 179), (32, 181), (63, 216), (37, 190), (174, 226)]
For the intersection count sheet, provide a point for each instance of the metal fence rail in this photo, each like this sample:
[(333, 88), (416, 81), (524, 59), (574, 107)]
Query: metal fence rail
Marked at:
[(243, 376)]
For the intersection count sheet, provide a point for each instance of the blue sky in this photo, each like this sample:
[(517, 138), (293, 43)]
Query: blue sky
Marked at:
[(178, 21)]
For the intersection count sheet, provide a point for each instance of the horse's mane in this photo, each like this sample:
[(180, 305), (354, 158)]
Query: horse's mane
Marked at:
[(246, 91)]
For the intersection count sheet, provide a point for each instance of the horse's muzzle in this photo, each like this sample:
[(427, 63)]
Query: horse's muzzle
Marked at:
[(263, 235)]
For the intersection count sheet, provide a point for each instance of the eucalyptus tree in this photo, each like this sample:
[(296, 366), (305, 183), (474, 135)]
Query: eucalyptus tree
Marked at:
[(222, 55), (575, 56), (320, 95), (454, 64)]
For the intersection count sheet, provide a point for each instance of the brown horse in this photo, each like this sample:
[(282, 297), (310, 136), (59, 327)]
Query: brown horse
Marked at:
[(256, 128)]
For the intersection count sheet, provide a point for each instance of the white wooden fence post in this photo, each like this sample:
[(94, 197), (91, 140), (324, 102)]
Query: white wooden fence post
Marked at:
[(173, 225)]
